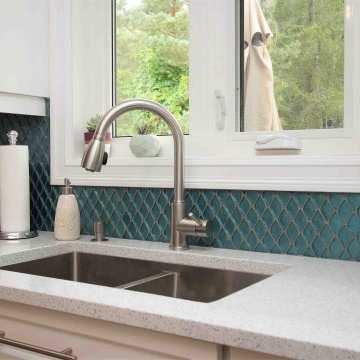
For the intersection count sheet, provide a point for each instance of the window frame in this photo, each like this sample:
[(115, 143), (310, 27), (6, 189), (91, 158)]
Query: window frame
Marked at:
[(230, 164)]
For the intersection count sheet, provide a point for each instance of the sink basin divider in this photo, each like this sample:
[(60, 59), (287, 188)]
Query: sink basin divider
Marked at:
[(147, 279)]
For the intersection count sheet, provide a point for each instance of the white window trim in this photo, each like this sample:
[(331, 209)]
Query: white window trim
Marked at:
[(207, 166)]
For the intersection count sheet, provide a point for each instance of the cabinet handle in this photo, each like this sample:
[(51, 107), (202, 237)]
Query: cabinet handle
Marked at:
[(63, 355)]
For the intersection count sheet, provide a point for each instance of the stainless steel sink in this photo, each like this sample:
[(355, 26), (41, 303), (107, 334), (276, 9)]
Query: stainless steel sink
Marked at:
[(180, 281)]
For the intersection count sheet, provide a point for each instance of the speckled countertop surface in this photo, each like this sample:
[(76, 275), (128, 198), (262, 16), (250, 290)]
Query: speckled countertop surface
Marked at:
[(308, 309)]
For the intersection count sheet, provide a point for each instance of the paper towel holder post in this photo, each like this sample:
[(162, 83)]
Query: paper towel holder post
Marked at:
[(12, 136)]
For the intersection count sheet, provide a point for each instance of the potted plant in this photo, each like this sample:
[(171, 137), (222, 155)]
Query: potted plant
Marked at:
[(144, 144), (91, 127)]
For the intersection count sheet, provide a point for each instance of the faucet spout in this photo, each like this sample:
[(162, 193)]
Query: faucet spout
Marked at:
[(93, 159), (170, 120)]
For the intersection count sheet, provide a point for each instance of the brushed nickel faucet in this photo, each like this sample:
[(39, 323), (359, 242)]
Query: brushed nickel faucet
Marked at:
[(95, 156)]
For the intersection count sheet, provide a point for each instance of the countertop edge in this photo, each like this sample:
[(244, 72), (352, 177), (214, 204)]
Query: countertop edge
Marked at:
[(258, 342)]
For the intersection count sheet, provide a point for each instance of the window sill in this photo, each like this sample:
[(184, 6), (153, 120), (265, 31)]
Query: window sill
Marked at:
[(293, 173)]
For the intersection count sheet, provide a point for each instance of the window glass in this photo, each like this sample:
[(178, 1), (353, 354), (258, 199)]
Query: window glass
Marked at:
[(152, 62), (293, 65)]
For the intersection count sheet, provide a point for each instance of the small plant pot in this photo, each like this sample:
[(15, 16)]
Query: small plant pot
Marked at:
[(145, 145), (90, 134)]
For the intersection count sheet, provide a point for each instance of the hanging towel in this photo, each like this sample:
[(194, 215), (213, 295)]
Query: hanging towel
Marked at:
[(260, 111)]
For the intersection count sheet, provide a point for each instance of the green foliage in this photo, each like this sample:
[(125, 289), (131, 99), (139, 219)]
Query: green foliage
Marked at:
[(307, 52), (93, 123), (153, 62)]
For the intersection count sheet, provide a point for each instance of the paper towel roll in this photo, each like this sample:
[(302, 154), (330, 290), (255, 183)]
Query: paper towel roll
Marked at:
[(14, 188)]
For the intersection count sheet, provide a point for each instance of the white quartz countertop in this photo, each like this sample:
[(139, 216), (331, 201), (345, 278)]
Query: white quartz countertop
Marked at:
[(309, 308)]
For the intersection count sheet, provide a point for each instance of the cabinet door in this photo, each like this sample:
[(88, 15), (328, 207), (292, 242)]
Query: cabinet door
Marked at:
[(24, 43), (239, 354), (93, 339), (10, 353)]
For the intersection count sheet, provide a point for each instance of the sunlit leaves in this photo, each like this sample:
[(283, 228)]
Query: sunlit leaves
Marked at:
[(307, 52), (153, 61)]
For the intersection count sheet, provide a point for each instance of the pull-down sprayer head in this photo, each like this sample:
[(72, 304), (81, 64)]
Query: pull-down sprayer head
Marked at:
[(94, 156)]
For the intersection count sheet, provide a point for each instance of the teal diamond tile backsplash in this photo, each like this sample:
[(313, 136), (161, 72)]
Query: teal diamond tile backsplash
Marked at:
[(311, 224)]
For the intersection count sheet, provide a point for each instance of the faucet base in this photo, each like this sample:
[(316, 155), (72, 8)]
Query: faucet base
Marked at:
[(178, 248), (182, 226)]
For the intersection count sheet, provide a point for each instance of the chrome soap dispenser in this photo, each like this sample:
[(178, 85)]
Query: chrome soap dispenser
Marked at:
[(67, 217)]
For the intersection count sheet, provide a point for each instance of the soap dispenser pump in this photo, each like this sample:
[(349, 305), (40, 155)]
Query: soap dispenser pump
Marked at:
[(67, 217)]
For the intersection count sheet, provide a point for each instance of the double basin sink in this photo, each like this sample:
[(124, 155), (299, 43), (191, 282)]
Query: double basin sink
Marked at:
[(178, 281)]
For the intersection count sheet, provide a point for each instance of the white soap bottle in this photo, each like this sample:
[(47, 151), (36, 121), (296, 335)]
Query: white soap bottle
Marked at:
[(67, 217)]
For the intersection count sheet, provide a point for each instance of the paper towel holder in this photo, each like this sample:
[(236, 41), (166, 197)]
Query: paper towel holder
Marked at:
[(12, 136)]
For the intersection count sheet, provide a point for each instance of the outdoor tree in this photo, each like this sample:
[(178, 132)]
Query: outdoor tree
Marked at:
[(153, 61), (307, 52)]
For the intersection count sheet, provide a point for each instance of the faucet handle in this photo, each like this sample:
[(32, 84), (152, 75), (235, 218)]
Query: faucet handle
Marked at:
[(195, 226), (193, 217)]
